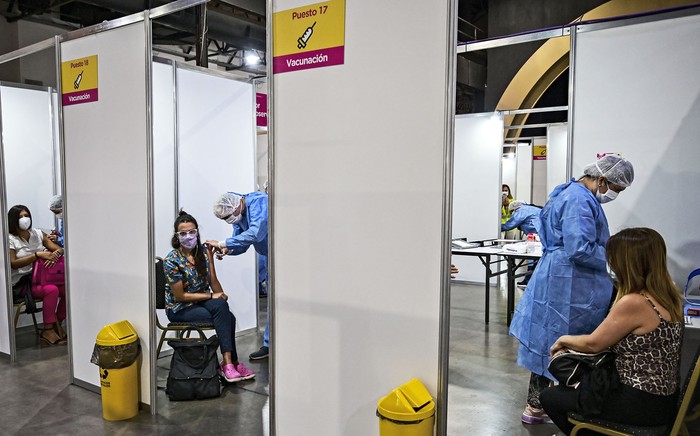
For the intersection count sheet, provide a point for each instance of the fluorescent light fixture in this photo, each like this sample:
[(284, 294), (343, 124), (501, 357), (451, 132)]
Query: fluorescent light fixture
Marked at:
[(252, 59)]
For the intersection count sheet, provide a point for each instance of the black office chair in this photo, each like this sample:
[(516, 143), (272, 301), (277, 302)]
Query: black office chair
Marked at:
[(678, 428), (183, 329)]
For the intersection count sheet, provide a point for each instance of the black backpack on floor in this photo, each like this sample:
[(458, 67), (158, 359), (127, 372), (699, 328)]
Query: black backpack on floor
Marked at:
[(194, 370)]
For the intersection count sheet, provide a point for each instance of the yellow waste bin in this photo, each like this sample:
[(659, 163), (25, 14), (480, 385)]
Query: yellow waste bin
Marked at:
[(116, 353), (408, 410)]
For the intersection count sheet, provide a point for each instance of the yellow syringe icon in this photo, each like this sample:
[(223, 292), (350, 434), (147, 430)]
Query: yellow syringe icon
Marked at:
[(301, 42)]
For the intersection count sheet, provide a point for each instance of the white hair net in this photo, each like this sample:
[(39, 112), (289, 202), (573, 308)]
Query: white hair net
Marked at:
[(515, 205), (616, 169), (226, 204), (56, 202)]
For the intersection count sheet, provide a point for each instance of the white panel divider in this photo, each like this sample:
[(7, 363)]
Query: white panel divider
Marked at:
[(106, 198), (523, 185), (358, 183), (557, 138), (478, 147), (216, 141), (658, 133), (539, 192)]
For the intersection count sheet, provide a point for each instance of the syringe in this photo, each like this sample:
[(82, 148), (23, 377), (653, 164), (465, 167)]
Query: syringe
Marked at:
[(76, 84), (301, 42)]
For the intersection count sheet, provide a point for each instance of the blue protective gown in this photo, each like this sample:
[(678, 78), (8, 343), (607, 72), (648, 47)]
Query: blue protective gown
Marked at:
[(526, 218), (570, 290), (252, 229)]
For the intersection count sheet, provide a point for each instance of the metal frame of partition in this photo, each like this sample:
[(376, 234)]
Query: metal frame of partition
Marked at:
[(447, 170)]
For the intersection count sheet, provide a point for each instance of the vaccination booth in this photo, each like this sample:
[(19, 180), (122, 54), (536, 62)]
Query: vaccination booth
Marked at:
[(134, 139)]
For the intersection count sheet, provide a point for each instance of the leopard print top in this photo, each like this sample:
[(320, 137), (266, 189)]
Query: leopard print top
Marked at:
[(651, 362)]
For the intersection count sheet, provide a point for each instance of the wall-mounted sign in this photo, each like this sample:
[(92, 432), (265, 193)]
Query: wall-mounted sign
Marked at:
[(79, 80), (539, 152), (310, 36), (260, 109)]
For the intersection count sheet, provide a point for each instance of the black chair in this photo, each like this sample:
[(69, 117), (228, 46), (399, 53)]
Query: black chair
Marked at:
[(678, 428), (183, 329)]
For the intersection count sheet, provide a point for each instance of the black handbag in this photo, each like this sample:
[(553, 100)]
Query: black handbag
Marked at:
[(569, 366), (194, 370), (594, 375)]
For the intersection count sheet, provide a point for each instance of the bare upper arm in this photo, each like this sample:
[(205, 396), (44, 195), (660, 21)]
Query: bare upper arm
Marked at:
[(629, 315)]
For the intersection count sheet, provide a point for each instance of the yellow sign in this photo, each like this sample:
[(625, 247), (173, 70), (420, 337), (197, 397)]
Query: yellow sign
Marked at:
[(539, 152), (310, 36), (79, 80)]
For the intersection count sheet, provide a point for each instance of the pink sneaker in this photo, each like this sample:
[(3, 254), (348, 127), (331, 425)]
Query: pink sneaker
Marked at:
[(532, 415), (245, 373), (229, 373)]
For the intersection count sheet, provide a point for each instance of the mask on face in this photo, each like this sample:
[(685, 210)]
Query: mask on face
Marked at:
[(25, 222), (609, 196), (234, 219), (611, 273), (188, 242), (59, 215)]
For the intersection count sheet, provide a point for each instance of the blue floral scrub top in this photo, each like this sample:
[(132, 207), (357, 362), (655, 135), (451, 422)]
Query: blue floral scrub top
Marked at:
[(177, 268)]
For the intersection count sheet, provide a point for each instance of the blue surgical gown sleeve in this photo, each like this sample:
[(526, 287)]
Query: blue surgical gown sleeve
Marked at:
[(515, 220), (256, 216), (581, 217)]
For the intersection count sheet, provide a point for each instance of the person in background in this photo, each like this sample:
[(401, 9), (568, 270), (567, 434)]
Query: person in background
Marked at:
[(193, 293), (56, 207), (569, 292), (248, 216), (506, 198), (28, 245), (644, 329), (526, 218)]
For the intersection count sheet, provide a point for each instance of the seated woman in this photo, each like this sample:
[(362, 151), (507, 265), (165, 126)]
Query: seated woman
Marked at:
[(189, 274), (26, 247), (644, 328)]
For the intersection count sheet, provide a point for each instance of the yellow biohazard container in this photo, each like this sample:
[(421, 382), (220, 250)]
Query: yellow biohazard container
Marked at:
[(408, 410), (118, 351)]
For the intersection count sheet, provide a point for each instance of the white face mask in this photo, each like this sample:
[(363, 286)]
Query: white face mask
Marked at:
[(609, 196), (234, 219), (25, 222), (59, 215)]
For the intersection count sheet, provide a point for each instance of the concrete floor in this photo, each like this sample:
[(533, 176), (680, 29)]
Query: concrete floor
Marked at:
[(486, 392)]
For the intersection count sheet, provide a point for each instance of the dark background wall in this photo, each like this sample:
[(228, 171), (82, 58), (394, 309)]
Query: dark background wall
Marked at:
[(506, 17)]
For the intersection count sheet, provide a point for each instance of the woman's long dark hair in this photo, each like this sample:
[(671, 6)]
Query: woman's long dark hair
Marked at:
[(200, 264), (13, 219)]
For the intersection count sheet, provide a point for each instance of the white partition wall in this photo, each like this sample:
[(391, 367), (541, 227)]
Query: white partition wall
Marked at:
[(107, 206), (658, 132), (539, 193), (28, 144), (478, 146), (476, 192), (523, 185), (557, 156), (216, 143), (359, 245)]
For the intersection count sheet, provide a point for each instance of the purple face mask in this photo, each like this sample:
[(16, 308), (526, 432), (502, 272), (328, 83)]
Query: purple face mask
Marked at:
[(188, 242)]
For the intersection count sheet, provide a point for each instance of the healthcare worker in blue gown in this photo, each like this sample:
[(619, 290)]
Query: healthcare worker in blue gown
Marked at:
[(248, 215), (570, 291)]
